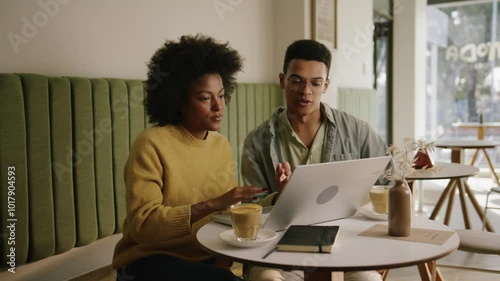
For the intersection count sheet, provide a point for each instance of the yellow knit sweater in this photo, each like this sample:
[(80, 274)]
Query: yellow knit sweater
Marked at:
[(167, 171)]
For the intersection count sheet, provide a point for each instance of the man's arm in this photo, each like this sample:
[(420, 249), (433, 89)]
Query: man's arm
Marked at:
[(253, 170), (374, 146)]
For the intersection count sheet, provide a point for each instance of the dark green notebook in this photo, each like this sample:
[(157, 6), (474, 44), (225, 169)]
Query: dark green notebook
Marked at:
[(309, 238)]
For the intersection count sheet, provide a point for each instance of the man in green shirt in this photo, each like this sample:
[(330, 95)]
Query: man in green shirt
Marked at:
[(306, 131)]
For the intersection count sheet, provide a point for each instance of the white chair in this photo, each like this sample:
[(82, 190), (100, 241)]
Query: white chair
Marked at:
[(479, 241), (492, 190), (475, 242)]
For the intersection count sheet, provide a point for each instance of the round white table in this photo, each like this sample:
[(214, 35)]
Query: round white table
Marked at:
[(457, 174), (351, 251), (458, 146)]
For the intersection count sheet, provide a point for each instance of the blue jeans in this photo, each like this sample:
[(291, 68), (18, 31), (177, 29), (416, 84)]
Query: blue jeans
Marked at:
[(163, 268)]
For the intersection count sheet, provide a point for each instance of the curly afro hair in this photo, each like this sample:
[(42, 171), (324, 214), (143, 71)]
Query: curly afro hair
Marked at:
[(308, 50), (177, 64)]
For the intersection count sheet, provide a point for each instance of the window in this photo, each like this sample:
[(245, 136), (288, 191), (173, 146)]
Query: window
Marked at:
[(463, 70), (382, 37)]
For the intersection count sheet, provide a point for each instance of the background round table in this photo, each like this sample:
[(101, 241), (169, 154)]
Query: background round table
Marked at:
[(458, 146), (457, 174)]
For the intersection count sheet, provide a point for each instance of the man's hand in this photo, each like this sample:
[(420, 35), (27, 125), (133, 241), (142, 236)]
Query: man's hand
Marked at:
[(283, 173)]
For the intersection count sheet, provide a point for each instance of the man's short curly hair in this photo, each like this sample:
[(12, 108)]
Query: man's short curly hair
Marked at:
[(307, 49), (177, 64)]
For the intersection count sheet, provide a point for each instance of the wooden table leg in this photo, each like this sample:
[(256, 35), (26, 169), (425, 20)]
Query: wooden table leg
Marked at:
[(476, 206), (473, 160), (450, 204), (384, 273), (456, 155), (429, 272), (480, 133), (451, 185), (462, 194), (410, 186), (491, 165), (337, 276)]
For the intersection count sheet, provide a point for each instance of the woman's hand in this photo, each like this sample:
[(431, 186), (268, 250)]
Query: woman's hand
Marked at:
[(235, 195), (223, 202)]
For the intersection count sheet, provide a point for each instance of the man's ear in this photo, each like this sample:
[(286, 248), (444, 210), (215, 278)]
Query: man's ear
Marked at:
[(327, 83), (282, 77)]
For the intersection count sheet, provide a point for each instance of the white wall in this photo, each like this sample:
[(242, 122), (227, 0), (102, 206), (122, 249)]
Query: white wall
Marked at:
[(116, 38), (352, 61), (355, 44), (410, 39), (292, 22)]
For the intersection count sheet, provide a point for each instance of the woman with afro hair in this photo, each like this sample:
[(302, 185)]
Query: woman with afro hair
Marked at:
[(180, 170)]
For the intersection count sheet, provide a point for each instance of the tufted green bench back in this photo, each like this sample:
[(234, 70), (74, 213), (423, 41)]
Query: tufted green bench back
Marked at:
[(68, 140), (65, 141)]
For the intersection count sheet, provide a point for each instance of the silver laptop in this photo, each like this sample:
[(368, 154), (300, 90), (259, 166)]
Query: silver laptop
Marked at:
[(323, 192)]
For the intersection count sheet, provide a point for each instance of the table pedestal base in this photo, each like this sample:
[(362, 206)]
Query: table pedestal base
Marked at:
[(429, 272), (488, 160), (464, 191)]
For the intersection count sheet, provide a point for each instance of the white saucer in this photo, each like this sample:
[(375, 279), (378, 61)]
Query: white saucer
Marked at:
[(368, 212), (264, 236)]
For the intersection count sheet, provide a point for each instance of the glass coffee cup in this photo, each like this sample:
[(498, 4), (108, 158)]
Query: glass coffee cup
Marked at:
[(379, 196), (245, 219)]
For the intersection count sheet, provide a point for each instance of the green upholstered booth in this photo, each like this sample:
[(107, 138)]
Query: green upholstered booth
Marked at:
[(67, 139), (63, 145)]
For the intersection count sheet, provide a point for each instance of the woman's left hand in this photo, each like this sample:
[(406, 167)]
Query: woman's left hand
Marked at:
[(235, 195)]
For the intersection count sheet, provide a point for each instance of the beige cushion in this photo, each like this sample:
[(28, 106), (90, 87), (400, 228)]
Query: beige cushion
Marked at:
[(479, 241)]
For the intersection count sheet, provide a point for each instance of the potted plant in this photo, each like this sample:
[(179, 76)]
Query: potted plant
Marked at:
[(404, 159)]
